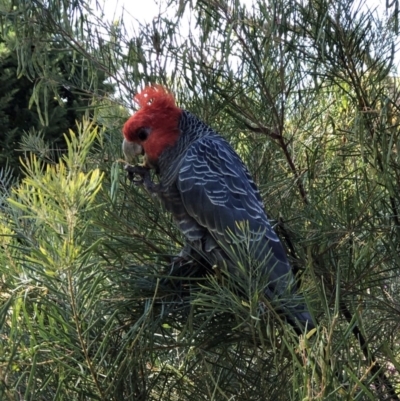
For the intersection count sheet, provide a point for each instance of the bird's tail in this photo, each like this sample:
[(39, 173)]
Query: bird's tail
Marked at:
[(299, 318), (289, 304)]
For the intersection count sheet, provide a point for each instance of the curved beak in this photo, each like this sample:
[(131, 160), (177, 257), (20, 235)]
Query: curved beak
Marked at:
[(131, 150)]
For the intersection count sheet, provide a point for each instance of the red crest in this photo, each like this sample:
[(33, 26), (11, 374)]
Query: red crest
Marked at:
[(158, 112)]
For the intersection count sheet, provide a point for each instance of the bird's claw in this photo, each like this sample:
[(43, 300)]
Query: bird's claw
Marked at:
[(144, 173), (133, 181), (137, 170)]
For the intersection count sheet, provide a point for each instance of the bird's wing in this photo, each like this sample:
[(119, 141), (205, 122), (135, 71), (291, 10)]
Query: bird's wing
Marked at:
[(219, 194)]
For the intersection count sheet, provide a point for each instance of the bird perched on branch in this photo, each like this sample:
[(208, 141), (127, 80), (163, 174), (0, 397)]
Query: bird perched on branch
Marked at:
[(209, 191)]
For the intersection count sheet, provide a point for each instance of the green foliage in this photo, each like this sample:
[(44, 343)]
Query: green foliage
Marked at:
[(92, 306), (46, 105), (50, 264)]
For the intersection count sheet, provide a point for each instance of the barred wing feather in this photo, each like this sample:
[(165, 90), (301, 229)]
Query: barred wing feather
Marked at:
[(218, 192)]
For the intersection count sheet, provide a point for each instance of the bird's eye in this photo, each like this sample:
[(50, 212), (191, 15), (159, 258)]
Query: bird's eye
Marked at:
[(142, 133)]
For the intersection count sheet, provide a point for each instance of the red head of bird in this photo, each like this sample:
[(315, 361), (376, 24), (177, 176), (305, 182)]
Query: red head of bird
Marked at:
[(154, 127)]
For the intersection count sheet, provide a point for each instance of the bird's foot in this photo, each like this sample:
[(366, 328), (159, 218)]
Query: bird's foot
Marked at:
[(145, 179), (136, 171)]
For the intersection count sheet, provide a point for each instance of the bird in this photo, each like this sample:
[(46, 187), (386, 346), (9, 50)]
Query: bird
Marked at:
[(210, 193)]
